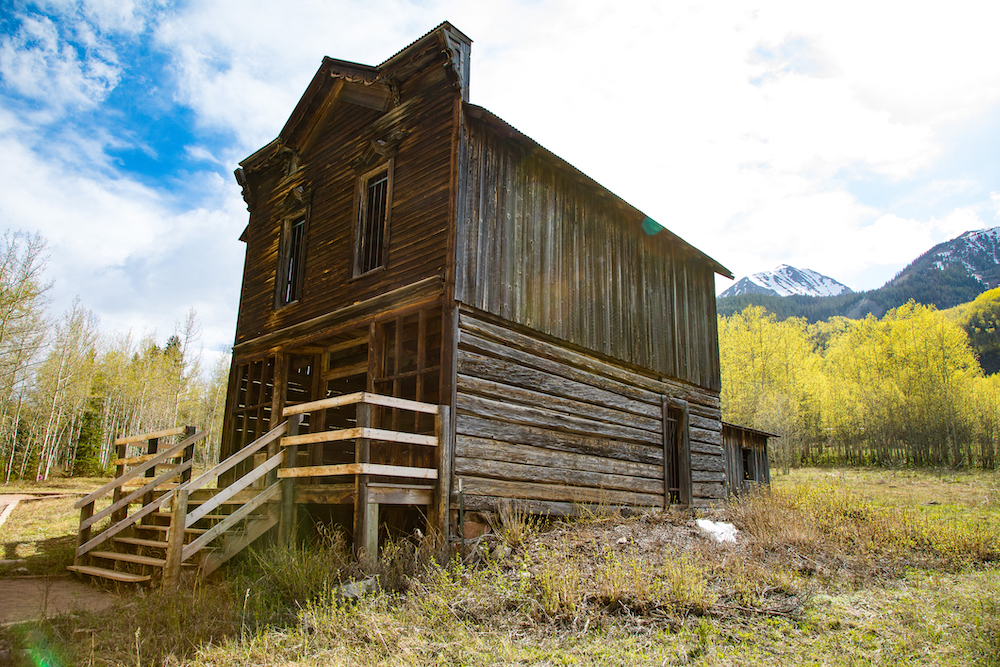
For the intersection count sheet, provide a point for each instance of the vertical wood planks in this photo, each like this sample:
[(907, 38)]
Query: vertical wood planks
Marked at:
[(547, 252)]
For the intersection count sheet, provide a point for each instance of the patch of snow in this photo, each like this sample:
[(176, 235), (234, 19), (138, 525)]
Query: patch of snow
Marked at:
[(977, 252), (718, 531)]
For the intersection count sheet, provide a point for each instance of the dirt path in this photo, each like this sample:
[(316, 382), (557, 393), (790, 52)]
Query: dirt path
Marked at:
[(28, 598)]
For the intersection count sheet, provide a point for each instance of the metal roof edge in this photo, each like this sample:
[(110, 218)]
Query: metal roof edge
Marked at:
[(751, 430)]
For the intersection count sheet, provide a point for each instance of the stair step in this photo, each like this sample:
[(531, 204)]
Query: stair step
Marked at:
[(131, 558), (214, 517), (110, 574), (153, 526), (142, 542), (139, 483)]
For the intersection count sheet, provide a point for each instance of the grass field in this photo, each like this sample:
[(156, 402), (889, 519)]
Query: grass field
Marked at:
[(39, 536), (834, 567)]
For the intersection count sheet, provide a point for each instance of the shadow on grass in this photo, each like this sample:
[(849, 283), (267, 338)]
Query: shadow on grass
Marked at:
[(48, 556)]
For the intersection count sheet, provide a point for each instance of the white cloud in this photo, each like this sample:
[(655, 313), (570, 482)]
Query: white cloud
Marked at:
[(123, 248), (958, 222), (741, 128), (242, 65), (40, 65)]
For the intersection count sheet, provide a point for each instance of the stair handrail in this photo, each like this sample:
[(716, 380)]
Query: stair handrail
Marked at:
[(237, 458), (138, 493), (161, 457), (234, 488), (113, 530), (181, 519)]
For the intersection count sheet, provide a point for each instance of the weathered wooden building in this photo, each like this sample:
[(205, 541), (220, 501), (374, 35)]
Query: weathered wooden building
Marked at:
[(408, 249), (746, 457)]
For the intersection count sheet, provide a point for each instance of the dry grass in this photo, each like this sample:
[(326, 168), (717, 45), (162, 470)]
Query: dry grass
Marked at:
[(829, 570), (40, 535)]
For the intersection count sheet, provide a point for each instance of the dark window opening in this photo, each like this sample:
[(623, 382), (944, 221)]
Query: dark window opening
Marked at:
[(748, 471), (672, 456), (677, 487), (290, 283), (373, 217)]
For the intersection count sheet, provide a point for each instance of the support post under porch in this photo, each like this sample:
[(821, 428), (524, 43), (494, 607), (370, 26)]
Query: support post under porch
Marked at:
[(365, 512)]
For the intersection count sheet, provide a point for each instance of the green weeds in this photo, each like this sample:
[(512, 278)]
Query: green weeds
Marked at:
[(826, 571)]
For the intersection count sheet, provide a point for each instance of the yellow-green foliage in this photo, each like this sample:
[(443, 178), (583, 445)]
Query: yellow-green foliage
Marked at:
[(902, 389)]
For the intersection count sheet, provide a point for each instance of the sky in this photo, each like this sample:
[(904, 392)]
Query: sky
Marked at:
[(846, 137)]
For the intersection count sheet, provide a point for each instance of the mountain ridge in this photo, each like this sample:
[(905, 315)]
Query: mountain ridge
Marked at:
[(949, 274), (786, 280)]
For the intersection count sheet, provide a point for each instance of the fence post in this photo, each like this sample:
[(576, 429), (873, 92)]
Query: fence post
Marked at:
[(175, 539)]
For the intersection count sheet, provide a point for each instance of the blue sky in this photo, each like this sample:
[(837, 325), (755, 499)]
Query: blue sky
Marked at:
[(846, 138)]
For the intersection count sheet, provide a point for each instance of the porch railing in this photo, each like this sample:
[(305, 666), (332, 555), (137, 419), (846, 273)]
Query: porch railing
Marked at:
[(181, 520), (365, 503)]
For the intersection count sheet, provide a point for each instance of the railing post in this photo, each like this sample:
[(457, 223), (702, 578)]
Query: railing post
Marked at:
[(83, 536), (286, 528), (188, 454), (151, 447), (365, 518), (175, 539), (117, 495)]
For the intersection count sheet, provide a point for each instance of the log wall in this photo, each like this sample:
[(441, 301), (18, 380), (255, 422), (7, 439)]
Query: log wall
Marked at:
[(539, 246), (559, 428)]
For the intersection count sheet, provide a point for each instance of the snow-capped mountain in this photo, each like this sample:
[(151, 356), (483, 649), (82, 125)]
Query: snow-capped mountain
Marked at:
[(786, 280), (976, 254)]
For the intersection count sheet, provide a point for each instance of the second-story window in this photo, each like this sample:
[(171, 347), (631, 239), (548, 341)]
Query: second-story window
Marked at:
[(290, 270), (374, 204)]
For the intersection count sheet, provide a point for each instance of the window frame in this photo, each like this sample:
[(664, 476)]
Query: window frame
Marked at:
[(282, 278), (361, 216)]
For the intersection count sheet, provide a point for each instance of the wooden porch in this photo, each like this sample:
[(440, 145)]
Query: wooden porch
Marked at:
[(160, 520)]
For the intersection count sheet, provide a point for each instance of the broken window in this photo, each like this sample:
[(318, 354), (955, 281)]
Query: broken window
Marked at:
[(292, 255), (374, 204)]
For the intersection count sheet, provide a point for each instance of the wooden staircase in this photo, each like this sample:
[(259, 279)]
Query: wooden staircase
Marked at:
[(160, 521)]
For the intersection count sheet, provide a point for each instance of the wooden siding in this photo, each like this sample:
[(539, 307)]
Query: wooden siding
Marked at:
[(557, 428), (539, 248), (420, 211), (736, 439)]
